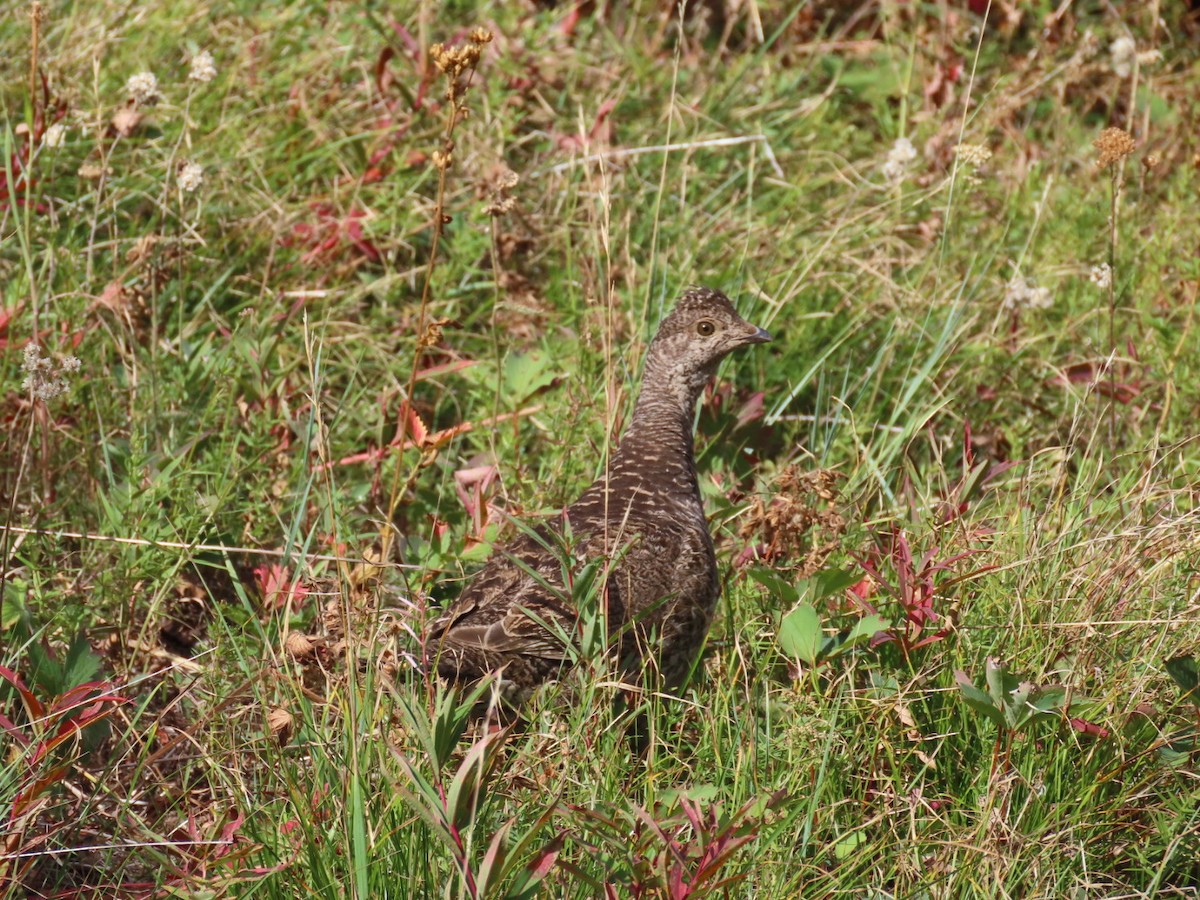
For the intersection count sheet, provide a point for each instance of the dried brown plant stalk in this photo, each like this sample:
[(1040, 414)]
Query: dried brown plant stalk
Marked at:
[(458, 65), (1114, 146)]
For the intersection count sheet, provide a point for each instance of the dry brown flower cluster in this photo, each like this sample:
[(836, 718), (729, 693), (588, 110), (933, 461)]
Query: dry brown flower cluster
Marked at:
[(804, 502), (454, 61), (1113, 145), (497, 188)]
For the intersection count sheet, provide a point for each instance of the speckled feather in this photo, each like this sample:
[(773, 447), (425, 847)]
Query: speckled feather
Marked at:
[(645, 515)]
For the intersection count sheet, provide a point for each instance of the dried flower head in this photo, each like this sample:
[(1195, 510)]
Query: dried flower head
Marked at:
[(280, 723), (191, 176), (896, 164), (497, 187), (1113, 145), (1101, 276), (454, 60), (1022, 294), (1123, 53), (973, 158), (42, 380), (125, 120), (55, 135), (202, 68), (298, 646), (143, 88), (801, 521), (93, 172)]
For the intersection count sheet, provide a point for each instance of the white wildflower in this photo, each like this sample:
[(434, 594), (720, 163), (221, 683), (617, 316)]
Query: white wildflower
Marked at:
[(1022, 294), (142, 88), (203, 69), (42, 382), (191, 176), (1122, 54), (1101, 276), (1040, 298), (973, 158), (898, 158), (55, 135)]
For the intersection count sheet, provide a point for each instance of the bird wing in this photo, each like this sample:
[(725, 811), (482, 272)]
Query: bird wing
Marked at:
[(515, 605)]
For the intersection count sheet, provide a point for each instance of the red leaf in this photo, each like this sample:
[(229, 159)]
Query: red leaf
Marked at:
[(1083, 726)]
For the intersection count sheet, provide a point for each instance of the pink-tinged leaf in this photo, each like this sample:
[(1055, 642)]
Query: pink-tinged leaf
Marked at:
[(13, 731), (383, 75), (411, 44), (32, 705), (229, 832), (1083, 726), (278, 588), (543, 861), (677, 889), (752, 410), (6, 316)]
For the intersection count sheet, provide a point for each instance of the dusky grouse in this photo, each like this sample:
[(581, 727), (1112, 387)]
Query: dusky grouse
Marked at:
[(643, 519)]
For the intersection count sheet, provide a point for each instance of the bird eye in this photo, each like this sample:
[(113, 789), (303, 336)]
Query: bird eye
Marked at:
[(705, 328)]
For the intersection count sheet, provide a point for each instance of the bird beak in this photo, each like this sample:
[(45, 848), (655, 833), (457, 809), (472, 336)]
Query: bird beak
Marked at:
[(758, 336)]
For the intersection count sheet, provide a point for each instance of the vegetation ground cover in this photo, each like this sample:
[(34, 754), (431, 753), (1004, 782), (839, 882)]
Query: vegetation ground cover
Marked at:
[(305, 305)]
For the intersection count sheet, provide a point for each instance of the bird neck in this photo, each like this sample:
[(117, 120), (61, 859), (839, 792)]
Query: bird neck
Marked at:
[(659, 441)]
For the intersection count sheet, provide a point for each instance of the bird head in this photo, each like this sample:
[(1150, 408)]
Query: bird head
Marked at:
[(700, 331)]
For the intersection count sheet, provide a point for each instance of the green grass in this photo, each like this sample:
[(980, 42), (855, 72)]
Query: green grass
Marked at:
[(251, 349)]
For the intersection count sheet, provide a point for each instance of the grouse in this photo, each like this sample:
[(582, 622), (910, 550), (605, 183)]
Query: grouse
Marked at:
[(642, 521)]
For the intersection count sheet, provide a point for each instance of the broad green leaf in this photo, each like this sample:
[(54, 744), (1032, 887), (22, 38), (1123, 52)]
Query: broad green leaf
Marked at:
[(778, 586), (800, 633), (1186, 673), (526, 373)]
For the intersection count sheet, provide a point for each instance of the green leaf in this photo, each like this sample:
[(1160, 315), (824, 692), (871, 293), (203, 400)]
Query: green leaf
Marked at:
[(980, 701), (779, 587), (1185, 673), (848, 846), (1000, 684), (800, 634), (525, 374), (81, 664), (14, 608), (865, 629), (831, 581)]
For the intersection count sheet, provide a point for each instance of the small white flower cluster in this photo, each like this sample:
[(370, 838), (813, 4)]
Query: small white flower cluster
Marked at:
[(1021, 294), (973, 158), (143, 88), (1123, 53), (202, 68), (1101, 276), (42, 381), (55, 135), (191, 176), (896, 164)]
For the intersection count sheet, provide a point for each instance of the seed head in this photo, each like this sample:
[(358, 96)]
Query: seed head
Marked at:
[(55, 135), (191, 176), (42, 380), (973, 158), (143, 88), (1113, 145), (896, 164), (202, 69)]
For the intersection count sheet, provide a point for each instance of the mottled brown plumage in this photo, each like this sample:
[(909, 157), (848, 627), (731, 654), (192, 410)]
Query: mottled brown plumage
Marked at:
[(644, 519)]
